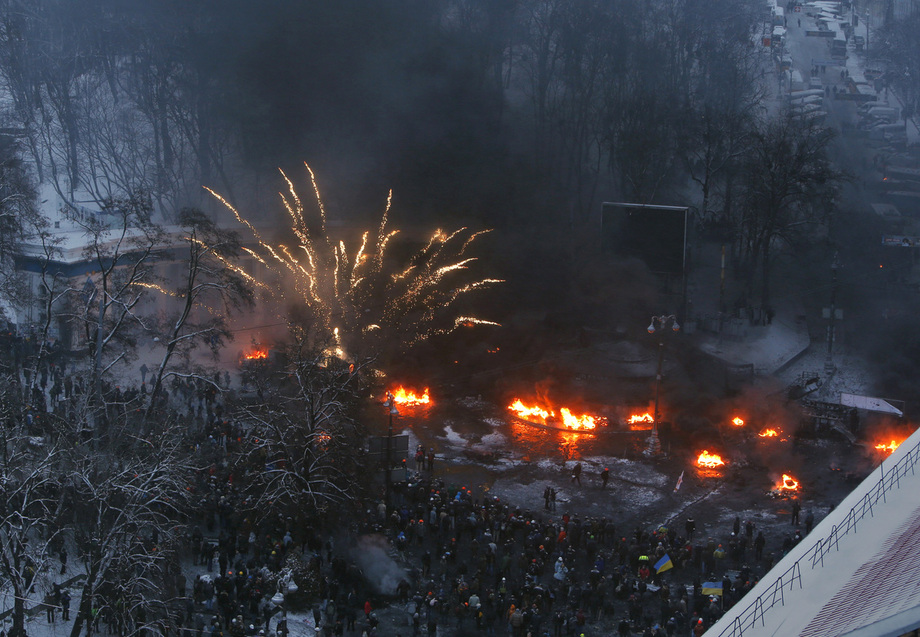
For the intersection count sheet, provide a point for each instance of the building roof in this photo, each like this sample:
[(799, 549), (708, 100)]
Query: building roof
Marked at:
[(856, 574)]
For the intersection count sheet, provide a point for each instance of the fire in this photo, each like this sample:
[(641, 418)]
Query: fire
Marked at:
[(789, 483), (737, 422), (259, 353), (890, 447), (569, 420), (638, 422), (768, 433), (526, 412), (709, 460), (403, 396), (577, 422)]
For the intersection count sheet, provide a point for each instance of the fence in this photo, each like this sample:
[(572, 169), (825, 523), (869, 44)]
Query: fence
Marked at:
[(756, 610)]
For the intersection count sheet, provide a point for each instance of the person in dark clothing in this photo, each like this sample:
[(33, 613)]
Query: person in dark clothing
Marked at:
[(796, 508), (759, 543), (690, 527), (605, 477), (576, 474), (809, 521)]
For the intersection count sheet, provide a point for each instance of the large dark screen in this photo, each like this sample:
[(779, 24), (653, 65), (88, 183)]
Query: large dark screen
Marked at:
[(657, 236)]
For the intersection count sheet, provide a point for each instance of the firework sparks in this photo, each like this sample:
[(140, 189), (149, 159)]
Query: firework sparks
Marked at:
[(350, 291)]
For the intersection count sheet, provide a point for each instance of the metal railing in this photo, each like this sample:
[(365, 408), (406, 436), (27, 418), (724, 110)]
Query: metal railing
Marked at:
[(888, 481)]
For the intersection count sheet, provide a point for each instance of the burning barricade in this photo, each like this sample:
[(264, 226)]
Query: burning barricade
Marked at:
[(708, 460), (409, 398), (640, 422), (565, 420), (710, 465)]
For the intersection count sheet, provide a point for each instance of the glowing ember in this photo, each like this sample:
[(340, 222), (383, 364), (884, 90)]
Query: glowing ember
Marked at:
[(768, 433), (259, 353), (737, 422), (709, 460), (403, 396), (789, 483), (569, 420), (891, 446)]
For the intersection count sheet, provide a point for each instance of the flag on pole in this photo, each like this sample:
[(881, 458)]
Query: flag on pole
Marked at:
[(680, 481), (663, 564), (712, 588)]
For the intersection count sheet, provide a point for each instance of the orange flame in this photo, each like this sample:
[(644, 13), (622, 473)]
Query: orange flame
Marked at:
[(788, 483), (640, 422), (569, 420), (403, 396), (709, 460), (526, 412), (737, 422), (577, 422), (768, 433), (636, 418), (890, 447), (259, 353)]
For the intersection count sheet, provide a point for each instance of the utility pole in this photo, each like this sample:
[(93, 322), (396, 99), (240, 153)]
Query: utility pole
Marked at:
[(831, 313), (659, 324), (722, 295), (390, 404)]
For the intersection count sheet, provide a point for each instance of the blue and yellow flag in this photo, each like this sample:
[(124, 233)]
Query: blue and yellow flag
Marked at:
[(712, 588), (663, 564)]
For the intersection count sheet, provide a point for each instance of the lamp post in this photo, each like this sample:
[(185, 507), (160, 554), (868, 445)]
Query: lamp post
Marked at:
[(390, 404), (286, 586), (659, 324)]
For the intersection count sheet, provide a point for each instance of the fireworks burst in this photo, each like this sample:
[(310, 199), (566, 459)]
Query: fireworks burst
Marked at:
[(353, 293)]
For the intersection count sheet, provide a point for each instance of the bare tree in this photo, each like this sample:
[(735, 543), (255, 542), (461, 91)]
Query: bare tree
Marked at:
[(301, 452), (30, 504), (120, 245), (208, 295), (126, 497), (724, 109), (789, 186)]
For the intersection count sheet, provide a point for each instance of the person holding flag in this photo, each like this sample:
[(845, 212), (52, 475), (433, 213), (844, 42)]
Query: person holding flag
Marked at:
[(712, 588), (664, 564)]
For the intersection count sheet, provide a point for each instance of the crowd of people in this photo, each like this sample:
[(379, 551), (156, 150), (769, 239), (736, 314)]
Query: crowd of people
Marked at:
[(478, 565), (467, 563)]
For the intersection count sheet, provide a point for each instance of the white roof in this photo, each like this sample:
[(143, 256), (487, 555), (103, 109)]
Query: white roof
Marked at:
[(857, 574), (869, 403)]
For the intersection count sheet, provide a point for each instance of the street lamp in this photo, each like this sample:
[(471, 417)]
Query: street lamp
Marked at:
[(286, 586), (390, 404), (659, 324)]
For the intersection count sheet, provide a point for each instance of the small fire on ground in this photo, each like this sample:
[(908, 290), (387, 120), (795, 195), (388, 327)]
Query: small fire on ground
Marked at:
[(256, 354), (768, 433), (788, 483), (888, 447), (408, 398), (738, 422), (709, 460), (566, 418)]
